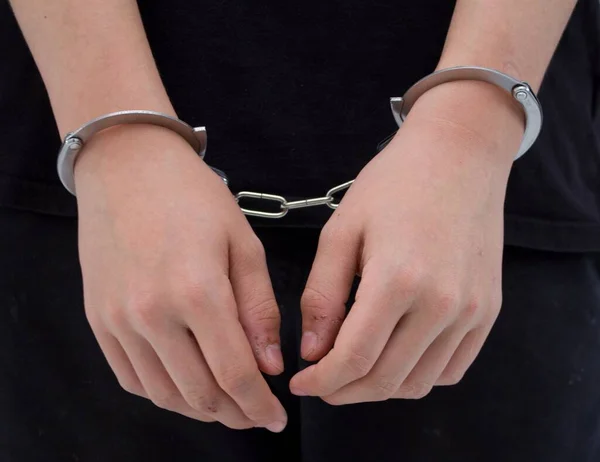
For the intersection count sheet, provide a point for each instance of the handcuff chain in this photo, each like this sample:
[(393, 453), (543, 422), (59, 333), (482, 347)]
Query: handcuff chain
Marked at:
[(286, 206)]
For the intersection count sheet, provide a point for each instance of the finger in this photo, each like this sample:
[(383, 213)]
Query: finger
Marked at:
[(227, 352), (181, 357), (413, 335), (380, 302), (327, 290), (256, 304), (464, 356), (425, 374), (157, 383), (119, 362)]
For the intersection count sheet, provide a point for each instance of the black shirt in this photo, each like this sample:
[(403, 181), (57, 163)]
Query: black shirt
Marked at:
[(295, 98)]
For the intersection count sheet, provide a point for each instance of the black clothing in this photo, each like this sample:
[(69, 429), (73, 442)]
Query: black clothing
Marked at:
[(532, 395), (295, 99)]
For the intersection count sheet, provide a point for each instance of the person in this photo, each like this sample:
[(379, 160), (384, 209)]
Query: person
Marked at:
[(349, 334)]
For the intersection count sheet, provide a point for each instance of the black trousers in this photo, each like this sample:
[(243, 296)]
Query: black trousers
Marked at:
[(532, 395)]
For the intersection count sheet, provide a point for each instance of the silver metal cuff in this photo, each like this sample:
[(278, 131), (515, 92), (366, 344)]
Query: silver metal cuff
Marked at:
[(519, 90), (75, 141)]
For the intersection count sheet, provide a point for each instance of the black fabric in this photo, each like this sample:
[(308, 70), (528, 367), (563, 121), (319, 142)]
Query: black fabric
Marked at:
[(295, 99), (532, 395)]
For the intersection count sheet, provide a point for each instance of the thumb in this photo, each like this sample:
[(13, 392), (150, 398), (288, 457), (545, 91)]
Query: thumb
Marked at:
[(327, 290), (257, 308)]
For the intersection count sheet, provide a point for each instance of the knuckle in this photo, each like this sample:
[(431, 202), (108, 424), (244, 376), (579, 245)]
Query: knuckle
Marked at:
[(445, 304), (379, 389), (168, 400), (249, 255), (254, 249), (237, 380), (114, 315), (203, 401), (384, 389), (143, 309), (193, 293), (314, 297), (263, 309), (202, 292), (357, 362), (471, 310), (414, 390), (334, 233), (337, 235), (146, 316), (408, 278), (322, 306)]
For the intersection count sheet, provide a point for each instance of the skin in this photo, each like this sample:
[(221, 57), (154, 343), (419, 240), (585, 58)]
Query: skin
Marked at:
[(423, 224), (184, 311), (430, 285)]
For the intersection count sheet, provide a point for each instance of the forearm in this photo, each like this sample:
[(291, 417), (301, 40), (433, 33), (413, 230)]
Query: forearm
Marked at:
[(517, 37), (93, 56)]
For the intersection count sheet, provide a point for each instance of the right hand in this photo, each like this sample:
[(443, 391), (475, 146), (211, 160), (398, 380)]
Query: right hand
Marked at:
[(176, 286)]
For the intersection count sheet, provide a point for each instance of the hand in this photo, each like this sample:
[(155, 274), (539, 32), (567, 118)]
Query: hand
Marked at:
[(176, 286), (423, 226)]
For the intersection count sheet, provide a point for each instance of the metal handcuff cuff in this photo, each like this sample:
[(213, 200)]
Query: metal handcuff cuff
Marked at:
[(196, 137)]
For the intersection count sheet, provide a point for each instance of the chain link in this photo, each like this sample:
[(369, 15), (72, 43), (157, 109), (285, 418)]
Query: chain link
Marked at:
[(286, 206)]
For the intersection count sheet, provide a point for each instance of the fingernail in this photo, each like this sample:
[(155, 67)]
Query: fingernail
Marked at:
[(309, 343), (274, 356), (276, 427)]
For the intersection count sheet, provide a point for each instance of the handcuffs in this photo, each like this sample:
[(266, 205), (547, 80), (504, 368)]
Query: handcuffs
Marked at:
[(401, 106)]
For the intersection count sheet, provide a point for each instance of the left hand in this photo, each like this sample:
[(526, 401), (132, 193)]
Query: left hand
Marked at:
[(423, 227)]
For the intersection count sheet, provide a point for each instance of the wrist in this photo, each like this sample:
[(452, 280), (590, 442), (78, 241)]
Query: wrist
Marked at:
[(130, 148), (477, 113)]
